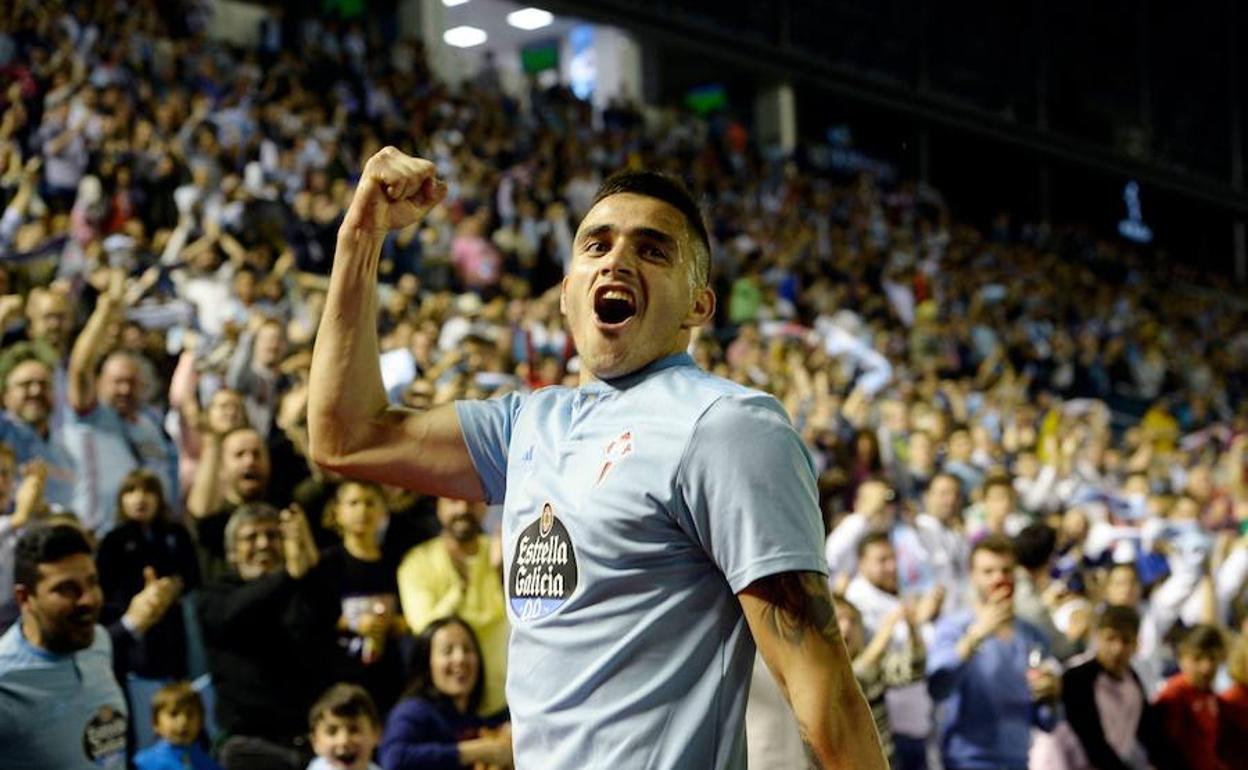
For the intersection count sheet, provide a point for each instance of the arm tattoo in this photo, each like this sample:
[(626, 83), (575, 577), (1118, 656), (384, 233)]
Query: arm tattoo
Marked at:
[(798, 603)]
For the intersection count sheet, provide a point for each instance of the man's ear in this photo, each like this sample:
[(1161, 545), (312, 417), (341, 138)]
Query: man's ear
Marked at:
[(21, 594), (703, 309)]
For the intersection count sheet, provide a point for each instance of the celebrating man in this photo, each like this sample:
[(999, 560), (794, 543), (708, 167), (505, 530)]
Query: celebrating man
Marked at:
[(641, 537)]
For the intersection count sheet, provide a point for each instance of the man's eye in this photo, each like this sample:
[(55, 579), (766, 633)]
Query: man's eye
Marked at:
[(654, 252)]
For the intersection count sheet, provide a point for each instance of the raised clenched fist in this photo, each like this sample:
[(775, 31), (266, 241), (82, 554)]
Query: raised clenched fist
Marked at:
[(395, 191)]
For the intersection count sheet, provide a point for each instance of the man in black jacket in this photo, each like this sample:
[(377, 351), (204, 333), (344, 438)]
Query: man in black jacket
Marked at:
[(1105, 702), (270, 632)]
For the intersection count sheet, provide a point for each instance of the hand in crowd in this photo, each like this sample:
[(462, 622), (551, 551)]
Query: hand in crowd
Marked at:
[(150, 604), (28, 503), (927, 607), (990, 617), (1044, 684), (496, 745), (298, 545)]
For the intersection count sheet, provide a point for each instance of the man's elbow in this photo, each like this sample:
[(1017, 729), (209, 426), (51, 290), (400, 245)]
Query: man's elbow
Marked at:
[(323, 450)]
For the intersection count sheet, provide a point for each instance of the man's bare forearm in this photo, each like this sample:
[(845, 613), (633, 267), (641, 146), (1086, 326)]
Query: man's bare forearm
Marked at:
[(796, 628), (345, 388)]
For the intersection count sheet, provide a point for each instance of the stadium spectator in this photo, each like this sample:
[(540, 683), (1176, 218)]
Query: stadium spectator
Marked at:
[(875, 595), (371, 625), (880, 666), (1187, 705), (988, 690), (1233, 706), (234, 469), (147, 544), (457, 574), (1106, 704), (27, 382), (178, 719), (110, 433), (270, 631), (59, 701), (437, 724), (346, 728), (1034, 549)]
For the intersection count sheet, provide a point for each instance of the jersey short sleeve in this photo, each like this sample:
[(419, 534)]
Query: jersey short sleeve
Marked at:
[(487, 427), (749, 493)]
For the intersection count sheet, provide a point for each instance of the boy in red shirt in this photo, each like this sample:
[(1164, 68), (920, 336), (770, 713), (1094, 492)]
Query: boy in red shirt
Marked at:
[(1233, 706), (1187, 704)]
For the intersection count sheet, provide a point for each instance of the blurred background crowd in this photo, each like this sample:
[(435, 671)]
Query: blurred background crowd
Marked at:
[(170, 205)]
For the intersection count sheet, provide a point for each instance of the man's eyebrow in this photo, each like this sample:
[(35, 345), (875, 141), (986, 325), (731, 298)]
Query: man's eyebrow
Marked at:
[(654, 234), (594, 232), (650, 233)]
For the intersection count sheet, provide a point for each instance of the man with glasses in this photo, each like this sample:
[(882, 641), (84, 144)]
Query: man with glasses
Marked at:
[(27, 386), (270, 631)]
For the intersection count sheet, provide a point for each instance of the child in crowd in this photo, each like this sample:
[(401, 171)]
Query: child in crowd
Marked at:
[(370, 624), (435, 726), (1187, 704), (144, 541), (876, 667), (345, 729), (178, 718), (1233, 706)]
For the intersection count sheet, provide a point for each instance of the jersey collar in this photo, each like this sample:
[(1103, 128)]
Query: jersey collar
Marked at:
[(628, 380)]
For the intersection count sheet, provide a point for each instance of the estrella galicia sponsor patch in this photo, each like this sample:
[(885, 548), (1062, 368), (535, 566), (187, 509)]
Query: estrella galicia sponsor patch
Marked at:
[(104, 738), (543, 570)]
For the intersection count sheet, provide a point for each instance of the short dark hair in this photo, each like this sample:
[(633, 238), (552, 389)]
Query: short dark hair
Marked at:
[(1124, 620), (142, 478), (998, 544), (175, 696), (421, 683), (1203, 639), (998, 479), (1034, 546), (673, 192), (349, 701), (943, 475), (44, 544), (874, 537)]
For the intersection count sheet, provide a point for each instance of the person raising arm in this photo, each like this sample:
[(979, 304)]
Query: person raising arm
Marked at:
[(352, 429)]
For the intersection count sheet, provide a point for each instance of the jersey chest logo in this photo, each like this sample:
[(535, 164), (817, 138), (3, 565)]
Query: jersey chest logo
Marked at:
[(104, 738), (543, 570), (619, 448)]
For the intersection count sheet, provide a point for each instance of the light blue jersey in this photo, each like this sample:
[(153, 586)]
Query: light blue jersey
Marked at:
[(105, 447), (634, 512), (60, 711)]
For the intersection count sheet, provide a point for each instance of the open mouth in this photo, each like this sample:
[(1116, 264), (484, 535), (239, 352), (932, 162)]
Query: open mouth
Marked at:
[(614, 306), (346, 758)]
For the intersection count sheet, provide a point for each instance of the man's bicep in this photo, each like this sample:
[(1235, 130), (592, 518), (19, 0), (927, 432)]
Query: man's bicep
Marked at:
[(422, 451)]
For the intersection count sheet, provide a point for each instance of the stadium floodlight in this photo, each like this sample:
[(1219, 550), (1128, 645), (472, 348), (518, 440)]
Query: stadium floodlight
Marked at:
[(530, 18), (453, 3), (464, 36)]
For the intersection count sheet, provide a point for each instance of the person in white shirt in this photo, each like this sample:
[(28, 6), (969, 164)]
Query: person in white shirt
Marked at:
[(876, 592)]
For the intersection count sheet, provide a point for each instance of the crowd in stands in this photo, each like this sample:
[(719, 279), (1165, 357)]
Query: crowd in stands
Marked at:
[(1031, 444)]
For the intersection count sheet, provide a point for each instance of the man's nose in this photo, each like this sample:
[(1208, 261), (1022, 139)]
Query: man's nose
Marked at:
[(619, 259)]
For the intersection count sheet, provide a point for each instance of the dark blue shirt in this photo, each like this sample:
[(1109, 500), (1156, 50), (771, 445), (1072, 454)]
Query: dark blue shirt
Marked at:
[(421, 734), (984, 704)]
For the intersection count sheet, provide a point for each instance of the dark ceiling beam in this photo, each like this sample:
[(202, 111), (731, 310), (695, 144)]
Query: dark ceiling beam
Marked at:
[(669, 26)]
